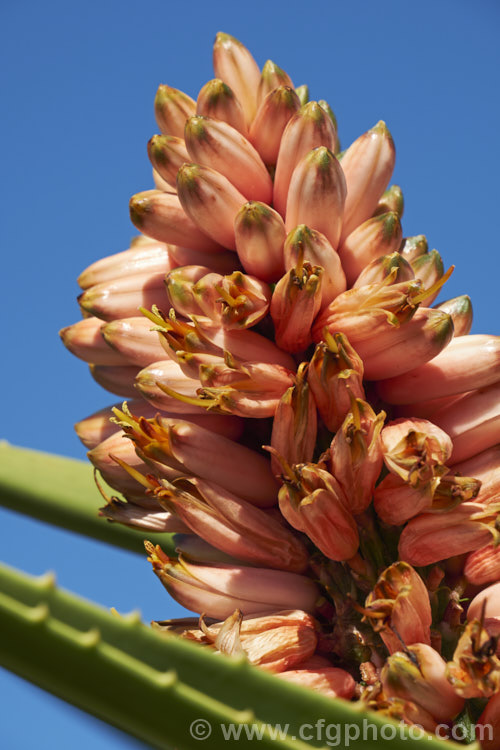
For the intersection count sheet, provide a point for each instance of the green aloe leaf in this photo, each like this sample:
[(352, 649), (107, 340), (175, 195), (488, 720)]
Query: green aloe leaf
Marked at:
[(62, 491), (155, 686)]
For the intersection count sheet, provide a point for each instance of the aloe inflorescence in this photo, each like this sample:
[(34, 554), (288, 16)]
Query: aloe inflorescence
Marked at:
[(321, 434)]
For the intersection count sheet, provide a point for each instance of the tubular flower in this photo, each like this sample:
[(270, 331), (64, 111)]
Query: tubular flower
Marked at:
[(419, 675), (486, 608), (295, 423), (335, 375), (474, 671), (414, 452), (399, 608), (219, 588), (356, 454), (312, 501), (267, 317)]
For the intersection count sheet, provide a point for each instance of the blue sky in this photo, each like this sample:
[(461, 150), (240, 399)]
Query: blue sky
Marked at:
[(78, 86)]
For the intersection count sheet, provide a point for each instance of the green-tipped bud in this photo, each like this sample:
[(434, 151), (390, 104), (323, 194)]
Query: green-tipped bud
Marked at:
[(367, 164), (273, 115), (210, 201), (172, 108), (260, 234), (414, 247), (217, 100), (161, 216), (303, 93), (234, 64), (391, 200), (317, 194), (380, 235), (460, 309), (272, 77), (166, 154)]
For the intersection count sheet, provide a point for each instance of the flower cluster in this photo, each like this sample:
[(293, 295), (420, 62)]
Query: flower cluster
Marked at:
[(322, 437)]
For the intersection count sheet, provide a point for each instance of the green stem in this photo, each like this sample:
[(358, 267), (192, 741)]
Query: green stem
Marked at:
[(154, 686), (61, 491)]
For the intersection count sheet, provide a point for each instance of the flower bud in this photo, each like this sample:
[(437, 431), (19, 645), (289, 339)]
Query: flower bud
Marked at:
[(399, 608), (460, 310), (432, 537), (200, 452), (271, 77), (85, 340), (210, 201), (272, 117), (419, 675), (367, 165), (356, 454), (134, 340), (234, 65), (474, 671), (317, 194), (121, 298), (313, 247), (391, 200), (335, 374), (116, 379), (379, 235), (427, 334), (145, 256), (231, 524), (217, 145), (312, 501), (309, 128), (295, 303), (414, 247), (295, 423), (467, 363), (161, 215), (218, 589), (260, 233), (167, 153), (149, 382), (473, 423), (172, 108), (217, 100)]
